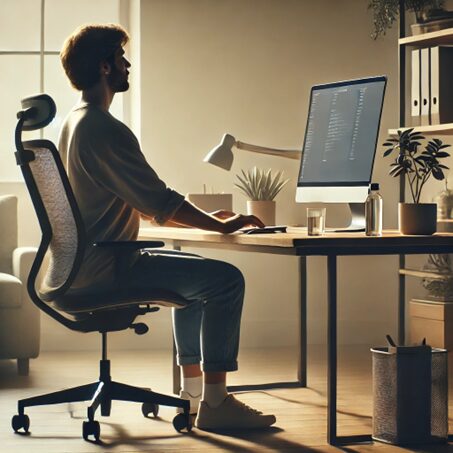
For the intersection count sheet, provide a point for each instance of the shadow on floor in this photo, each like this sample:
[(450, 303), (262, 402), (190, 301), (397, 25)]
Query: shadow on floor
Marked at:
[(305, 403)]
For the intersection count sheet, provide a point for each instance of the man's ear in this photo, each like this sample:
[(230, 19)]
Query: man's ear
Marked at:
[(105, 68)]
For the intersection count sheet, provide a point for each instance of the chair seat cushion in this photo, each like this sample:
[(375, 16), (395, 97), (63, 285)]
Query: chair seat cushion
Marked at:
[(10, 291), (78, 302)]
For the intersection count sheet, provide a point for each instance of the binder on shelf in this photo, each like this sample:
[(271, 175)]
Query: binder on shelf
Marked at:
[(415, 88), (425, 94), (441, 61)]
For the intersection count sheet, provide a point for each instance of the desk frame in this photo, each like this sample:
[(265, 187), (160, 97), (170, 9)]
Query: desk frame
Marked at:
[(332, 249)]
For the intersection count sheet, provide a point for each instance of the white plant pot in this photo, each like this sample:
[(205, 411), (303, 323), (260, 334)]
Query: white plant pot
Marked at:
[(263, 209)]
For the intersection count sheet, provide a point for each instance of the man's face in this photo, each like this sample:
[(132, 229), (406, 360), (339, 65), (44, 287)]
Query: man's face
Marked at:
[(117, 79)]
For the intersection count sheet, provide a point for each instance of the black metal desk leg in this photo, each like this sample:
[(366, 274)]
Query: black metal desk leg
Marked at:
[(302, 359), (332, 349), (402, 302), (176, 368)]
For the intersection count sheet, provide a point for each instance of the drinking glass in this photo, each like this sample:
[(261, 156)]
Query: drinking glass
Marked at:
[(316, 221)]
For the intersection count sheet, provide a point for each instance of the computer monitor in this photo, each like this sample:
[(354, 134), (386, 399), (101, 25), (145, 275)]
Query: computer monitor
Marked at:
[(340, 144)]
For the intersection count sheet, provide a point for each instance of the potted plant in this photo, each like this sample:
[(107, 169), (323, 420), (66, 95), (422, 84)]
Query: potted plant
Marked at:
[(261, 187), (418, 165), (440, 288), (385, 13)]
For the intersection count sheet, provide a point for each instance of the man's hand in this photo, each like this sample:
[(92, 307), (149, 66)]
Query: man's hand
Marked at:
[(223, 214), (240, 221), (233, 222), (221, 221)]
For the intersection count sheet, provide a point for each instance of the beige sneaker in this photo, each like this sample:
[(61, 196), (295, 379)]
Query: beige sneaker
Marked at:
[(231, 414), (194, 401)]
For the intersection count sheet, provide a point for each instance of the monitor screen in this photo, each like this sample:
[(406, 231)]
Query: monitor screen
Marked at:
[(341, 135)]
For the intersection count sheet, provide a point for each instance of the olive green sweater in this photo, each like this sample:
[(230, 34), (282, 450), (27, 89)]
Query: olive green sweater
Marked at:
[(112, 183)]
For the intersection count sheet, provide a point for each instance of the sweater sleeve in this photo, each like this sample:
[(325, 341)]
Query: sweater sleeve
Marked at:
[(113, 159)]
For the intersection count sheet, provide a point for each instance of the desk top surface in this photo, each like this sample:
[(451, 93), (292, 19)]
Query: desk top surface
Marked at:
[(329, 242)]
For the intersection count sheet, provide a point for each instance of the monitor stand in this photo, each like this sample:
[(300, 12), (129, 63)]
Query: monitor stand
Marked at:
[(357, 220)]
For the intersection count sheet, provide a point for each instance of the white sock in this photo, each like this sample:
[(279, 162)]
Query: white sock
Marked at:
[(192, 385), (214, 394)]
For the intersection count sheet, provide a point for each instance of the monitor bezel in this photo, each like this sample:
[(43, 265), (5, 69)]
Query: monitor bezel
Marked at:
[(371, 79)]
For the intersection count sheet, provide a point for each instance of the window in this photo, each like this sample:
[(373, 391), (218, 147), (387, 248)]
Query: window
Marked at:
[(32, 33)]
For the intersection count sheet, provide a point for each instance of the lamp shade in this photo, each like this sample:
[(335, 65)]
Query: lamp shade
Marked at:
[(222, 154)]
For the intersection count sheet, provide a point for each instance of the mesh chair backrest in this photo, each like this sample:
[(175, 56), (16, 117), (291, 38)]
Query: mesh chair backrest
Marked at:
[(52, 187)]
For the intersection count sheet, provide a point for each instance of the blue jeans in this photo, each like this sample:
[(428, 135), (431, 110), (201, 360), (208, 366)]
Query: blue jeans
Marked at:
[(207, 330)]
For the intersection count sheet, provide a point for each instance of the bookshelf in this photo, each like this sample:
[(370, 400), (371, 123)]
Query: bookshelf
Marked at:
[(405, 45), (435, 38), (442, 129), (424, 274)]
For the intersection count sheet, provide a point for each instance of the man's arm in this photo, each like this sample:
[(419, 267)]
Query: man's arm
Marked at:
[(191, 216)]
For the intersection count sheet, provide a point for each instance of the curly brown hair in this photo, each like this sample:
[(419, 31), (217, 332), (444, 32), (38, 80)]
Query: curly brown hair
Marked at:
[(86, 48)]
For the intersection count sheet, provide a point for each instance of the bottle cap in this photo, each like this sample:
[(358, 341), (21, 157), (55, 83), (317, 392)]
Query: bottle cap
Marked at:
[(374, 186)]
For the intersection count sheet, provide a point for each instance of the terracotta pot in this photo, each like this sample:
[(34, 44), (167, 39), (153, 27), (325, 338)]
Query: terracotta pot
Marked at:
[(263, 209), (417, 218)]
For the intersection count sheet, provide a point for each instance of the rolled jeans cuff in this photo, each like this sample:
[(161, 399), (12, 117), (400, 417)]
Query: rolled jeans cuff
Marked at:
[(188, 360), (219, 366)]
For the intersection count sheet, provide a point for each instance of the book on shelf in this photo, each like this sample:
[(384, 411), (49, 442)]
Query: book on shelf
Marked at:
[(425, 94), (415, 87), (431, 86)]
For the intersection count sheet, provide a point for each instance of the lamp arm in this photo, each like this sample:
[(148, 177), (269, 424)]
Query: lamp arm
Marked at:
[(289, 153)]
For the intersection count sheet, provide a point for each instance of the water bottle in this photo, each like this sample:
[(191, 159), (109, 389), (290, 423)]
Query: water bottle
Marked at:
[(373, 212)]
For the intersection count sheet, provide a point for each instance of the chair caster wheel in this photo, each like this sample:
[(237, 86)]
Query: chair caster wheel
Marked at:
[(148, 408), (182, 421), (20, 422), (91, 428)]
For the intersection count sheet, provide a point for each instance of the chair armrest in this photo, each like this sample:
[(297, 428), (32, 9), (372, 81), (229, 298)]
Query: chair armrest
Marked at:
[(129, 245), (23, 258)]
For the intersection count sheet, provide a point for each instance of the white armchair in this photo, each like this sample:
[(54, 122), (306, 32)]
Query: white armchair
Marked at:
[(19, 318)]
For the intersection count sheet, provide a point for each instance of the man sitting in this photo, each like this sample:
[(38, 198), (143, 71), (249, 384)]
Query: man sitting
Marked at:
[(114, 185)]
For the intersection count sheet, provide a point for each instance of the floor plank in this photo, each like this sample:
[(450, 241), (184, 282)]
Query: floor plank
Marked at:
[(301, 413)]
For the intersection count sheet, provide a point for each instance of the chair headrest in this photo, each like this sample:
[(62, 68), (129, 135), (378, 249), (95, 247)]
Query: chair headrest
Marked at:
[(38, 111)]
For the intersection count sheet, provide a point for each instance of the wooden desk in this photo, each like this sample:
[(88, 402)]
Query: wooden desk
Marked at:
[(330, 245)]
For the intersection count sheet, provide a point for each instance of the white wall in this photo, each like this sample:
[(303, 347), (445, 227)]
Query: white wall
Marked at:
[(246, 67)]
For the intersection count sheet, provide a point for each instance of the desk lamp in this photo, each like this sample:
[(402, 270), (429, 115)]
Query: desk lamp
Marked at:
[(222, 154)]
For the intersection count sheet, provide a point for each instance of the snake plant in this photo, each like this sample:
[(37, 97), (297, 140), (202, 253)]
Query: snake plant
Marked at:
[(259, 185)]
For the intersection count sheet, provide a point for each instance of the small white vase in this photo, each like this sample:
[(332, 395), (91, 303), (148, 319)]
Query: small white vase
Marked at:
[(263, 209)]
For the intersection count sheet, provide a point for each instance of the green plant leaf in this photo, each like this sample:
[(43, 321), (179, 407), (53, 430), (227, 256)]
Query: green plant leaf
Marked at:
[(438, 173), (260, 184), (276, 189), (244, 190), (396, 171), (416, 136), (275, 181), (431, 148)]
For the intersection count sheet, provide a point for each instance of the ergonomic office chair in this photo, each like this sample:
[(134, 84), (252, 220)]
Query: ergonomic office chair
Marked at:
[(63, 239)]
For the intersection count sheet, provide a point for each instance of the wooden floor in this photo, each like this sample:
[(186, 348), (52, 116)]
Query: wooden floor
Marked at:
[(301, 413)]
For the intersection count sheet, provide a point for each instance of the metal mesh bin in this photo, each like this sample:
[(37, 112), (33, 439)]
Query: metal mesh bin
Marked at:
[(410, 394)]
